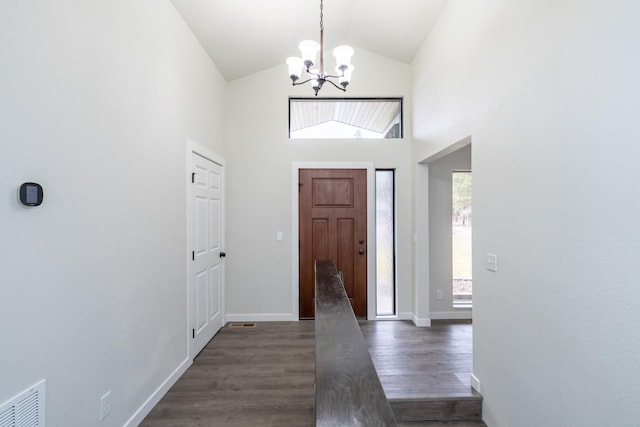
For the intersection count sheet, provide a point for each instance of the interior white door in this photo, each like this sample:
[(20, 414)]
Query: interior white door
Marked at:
[(206, 272)]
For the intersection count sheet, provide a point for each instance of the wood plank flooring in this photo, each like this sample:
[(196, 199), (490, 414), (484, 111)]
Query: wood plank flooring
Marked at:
[(260, 376), (264, 376), (421, 362)]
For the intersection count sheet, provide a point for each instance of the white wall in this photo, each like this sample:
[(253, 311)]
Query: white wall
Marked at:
[(440, 243), (548, 90), (259, 171), (98, 100)]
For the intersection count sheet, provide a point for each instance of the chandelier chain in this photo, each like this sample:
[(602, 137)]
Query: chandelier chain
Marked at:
[(321, 39)]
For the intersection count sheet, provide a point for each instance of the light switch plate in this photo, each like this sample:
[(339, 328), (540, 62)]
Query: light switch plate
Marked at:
[(491, 262)]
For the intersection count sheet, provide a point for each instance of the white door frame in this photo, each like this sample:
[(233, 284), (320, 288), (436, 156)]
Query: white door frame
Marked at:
[(422, 284), (195, 148), (371, 230)]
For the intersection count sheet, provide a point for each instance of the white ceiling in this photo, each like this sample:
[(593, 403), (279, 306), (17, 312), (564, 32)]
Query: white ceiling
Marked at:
[(246, 36)]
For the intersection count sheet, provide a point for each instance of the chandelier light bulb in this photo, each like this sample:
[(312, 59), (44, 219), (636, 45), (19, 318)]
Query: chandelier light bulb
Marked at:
[(343, 56), (345, 78), (295, 67), (309, 50)]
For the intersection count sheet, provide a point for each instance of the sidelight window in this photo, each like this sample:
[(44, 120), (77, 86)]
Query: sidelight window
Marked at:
[(385, 243)]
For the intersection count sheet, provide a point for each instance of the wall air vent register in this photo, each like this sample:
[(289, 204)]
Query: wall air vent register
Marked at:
[(26, 409)]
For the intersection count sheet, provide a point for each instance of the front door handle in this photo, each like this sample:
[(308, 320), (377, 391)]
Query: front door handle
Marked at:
[(222, 254), (361, 251)]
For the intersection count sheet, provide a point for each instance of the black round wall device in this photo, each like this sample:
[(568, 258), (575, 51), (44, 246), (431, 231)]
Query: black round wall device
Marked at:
[(31, 194)]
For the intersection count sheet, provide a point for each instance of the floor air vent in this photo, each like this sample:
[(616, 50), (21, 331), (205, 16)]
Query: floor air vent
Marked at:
[(238, 325), (25, 409)]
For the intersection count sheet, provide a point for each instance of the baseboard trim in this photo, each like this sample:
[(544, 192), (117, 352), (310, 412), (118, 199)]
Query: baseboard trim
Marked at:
[(421, 323), (453, 315), (155, 397), (407, 315), (284, 317), (475, 383)]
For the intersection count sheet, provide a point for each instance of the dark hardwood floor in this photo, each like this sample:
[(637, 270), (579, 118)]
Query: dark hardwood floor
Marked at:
[(264, 376), (260, 376), (421, 362)]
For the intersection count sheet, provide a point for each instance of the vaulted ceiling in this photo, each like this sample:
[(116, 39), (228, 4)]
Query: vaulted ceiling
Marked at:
[(246, 36)]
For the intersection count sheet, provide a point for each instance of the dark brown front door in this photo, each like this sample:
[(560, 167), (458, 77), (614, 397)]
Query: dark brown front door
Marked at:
[(333, 226)]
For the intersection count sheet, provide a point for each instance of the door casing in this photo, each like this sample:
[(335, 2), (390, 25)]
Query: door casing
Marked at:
[(371, 251)]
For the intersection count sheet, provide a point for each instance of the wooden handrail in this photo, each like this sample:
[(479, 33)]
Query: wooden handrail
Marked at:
[(348, 390)]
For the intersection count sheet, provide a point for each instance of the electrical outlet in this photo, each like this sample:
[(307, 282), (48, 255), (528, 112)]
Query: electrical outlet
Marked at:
[(105, 405), (439, 294)]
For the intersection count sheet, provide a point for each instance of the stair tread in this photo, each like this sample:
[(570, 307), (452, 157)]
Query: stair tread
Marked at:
[(464, 423), (436, 398)]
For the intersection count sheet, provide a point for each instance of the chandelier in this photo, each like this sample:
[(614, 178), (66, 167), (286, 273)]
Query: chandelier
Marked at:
[(317, 76)]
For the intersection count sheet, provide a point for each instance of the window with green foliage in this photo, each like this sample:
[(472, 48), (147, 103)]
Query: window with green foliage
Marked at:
[(461, 238)]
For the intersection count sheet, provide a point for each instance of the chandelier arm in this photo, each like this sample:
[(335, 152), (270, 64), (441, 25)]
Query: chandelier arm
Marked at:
[(336, 86), (311, 73), (301, 83)]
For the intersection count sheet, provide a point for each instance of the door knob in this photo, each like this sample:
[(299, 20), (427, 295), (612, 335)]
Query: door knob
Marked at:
[(222, 254), (361, 251), (361, 241)]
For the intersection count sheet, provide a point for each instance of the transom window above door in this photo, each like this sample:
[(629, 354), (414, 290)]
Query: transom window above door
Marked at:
[(345, 118)]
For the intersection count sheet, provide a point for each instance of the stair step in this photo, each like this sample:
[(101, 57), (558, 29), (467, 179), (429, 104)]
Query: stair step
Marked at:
[(462, 423), (438, 408)]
